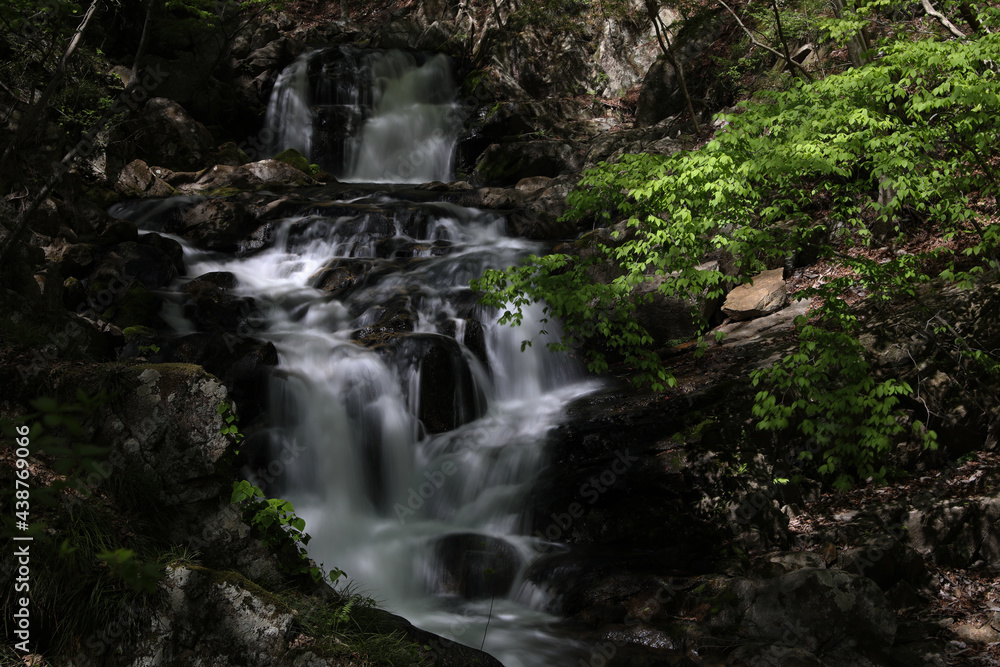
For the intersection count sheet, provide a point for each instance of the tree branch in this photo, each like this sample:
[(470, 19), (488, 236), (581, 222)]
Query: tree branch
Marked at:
[(805, 74), (942, 19)]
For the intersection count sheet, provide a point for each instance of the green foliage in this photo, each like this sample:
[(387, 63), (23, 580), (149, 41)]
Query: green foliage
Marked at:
[(231, 427), (91, 529), (799, 167), (352, 627), (279, 527)]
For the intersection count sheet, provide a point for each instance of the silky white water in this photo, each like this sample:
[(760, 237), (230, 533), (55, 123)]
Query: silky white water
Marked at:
[(393, 500), (388, 116)]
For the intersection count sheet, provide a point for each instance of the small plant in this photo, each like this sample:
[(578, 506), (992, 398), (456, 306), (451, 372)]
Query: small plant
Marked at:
[(231, 427), (278, 525)]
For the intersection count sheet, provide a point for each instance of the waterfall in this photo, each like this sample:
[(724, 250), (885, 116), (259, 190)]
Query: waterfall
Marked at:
[(288, 120), (410, 426), (370, 116)]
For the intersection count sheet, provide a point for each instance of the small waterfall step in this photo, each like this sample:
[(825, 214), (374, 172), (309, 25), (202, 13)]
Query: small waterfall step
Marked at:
[(368, 115)]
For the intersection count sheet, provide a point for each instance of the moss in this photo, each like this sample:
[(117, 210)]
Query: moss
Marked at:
[(138, 307), (139, 331), (293, 158), (237, 580), (224, 192), (231, 154)]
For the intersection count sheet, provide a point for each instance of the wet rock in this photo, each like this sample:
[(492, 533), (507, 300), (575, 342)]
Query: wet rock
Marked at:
[(215, 224), (475, 566), (212, 307), (340, 276), (395, 317), (765, 294), (447, 396)]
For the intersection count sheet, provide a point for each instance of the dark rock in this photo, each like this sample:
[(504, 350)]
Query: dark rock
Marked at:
[(138, 180), (475, 566), (215, 224), (447, 395), (212, 307), (814, 610), (169, 427), (508, 163), (168, 137), (241, 362), (77, 261), (227, 180)]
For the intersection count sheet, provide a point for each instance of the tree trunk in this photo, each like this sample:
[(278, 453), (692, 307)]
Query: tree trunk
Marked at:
[(33, 114), (859, 45), (143, 40), (664, 40)]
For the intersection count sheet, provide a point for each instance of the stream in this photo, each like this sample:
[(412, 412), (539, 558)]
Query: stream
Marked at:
[(410, 425)]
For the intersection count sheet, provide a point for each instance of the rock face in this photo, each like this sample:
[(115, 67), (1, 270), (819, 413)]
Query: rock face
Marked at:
[(765, 294), (169, 428), (170, 138), (816, 610), (506, 164), (661, 94), (214, 618)]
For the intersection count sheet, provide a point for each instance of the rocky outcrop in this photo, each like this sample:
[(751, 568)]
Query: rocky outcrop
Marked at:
[(169, 429)]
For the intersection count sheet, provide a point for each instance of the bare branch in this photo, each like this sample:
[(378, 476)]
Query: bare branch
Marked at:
[(756, 42), (942, 19)]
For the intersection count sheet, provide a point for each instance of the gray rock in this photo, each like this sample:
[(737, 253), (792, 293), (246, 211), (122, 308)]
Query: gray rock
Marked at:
[(169, 427), (213, 618)]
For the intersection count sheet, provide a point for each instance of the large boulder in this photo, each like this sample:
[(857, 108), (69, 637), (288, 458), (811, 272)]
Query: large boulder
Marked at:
[(814, 610), (138, 180), (168, 427), (168, 137), (215, 616), (766, 293), (661, 95), (215, 224), (475, 566), (228, 179)]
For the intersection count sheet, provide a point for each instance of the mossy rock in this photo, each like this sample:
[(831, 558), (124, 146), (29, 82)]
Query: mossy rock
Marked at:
[(139, 307), (293, 158), (136, 332), (230, 154)]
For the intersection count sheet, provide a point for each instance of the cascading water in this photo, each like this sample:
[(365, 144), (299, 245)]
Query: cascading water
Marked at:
[(411, 425), (369, 116), (289, 119)]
